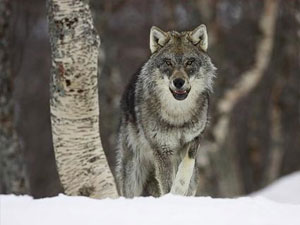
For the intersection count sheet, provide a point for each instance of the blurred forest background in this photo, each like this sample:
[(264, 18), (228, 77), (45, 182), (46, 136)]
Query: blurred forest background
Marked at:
[(263, 137)]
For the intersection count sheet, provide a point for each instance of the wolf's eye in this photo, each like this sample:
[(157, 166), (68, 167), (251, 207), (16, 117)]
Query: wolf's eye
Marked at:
[(190, 62), (168, 62)]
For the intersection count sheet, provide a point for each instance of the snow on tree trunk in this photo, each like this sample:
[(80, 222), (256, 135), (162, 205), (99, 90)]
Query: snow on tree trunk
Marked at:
[(80, 159), (12, 165)]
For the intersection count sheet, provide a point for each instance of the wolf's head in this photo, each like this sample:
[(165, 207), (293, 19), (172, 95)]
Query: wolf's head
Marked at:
[(180, 62)]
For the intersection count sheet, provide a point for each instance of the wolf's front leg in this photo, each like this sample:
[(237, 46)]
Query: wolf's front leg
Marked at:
[(164, 171), (183, 177), (181, 184), (131, 172)]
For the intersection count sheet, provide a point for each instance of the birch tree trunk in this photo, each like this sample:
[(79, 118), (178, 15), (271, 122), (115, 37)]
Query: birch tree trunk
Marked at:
[(12, 166), (81, 162)]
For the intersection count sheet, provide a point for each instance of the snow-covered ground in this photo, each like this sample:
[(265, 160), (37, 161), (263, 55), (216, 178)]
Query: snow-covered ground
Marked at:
[(254, 210), (285, 190)]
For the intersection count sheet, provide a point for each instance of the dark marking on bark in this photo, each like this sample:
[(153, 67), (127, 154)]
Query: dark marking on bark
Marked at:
[(94, 159), (70, 22), (68, 82), (61, 69), (80, 91), (86, 190)]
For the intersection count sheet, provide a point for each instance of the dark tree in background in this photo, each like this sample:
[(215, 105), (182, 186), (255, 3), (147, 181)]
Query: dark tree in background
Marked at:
[(263, 137), (30, 54), (13, 177)]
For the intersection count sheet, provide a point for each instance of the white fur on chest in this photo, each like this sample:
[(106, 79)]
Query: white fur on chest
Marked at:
[(174, 139)]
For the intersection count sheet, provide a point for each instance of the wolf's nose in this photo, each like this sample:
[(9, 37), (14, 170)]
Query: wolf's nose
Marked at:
[(178, 83)]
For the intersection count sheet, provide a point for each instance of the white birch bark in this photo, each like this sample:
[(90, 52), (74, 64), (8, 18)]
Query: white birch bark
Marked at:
[(81, 162)]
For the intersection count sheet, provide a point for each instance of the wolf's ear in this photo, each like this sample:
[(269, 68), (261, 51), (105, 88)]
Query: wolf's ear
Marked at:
[(158, 38), (199, 36)]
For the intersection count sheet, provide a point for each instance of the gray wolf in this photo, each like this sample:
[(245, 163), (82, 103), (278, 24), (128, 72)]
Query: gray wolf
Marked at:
[(164, 111)]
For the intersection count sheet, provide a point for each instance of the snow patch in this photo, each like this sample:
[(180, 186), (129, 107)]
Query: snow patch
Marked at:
[(169, 209), (284, 190)]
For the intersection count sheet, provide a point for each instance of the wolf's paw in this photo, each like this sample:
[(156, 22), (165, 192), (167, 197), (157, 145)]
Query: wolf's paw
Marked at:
[(183, 177)]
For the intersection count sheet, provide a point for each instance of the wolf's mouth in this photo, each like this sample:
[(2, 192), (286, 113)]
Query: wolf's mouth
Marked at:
[(180, 94)]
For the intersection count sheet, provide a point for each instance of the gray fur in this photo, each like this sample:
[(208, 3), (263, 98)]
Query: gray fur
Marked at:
[(156, 129)]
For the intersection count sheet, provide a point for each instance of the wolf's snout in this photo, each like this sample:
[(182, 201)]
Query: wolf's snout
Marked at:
[(178, 83), (179, 88)]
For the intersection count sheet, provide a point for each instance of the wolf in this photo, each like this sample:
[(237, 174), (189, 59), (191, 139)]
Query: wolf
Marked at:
[(164, 112)]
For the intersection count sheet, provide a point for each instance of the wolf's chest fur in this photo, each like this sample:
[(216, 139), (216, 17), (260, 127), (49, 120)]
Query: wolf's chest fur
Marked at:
[(172, 132)]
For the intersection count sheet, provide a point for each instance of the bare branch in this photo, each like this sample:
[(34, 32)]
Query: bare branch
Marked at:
[(252, 77)]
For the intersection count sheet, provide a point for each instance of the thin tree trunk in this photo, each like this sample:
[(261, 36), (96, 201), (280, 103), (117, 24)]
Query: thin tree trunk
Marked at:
[(12, 165), (230, 183), (81, 162)]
